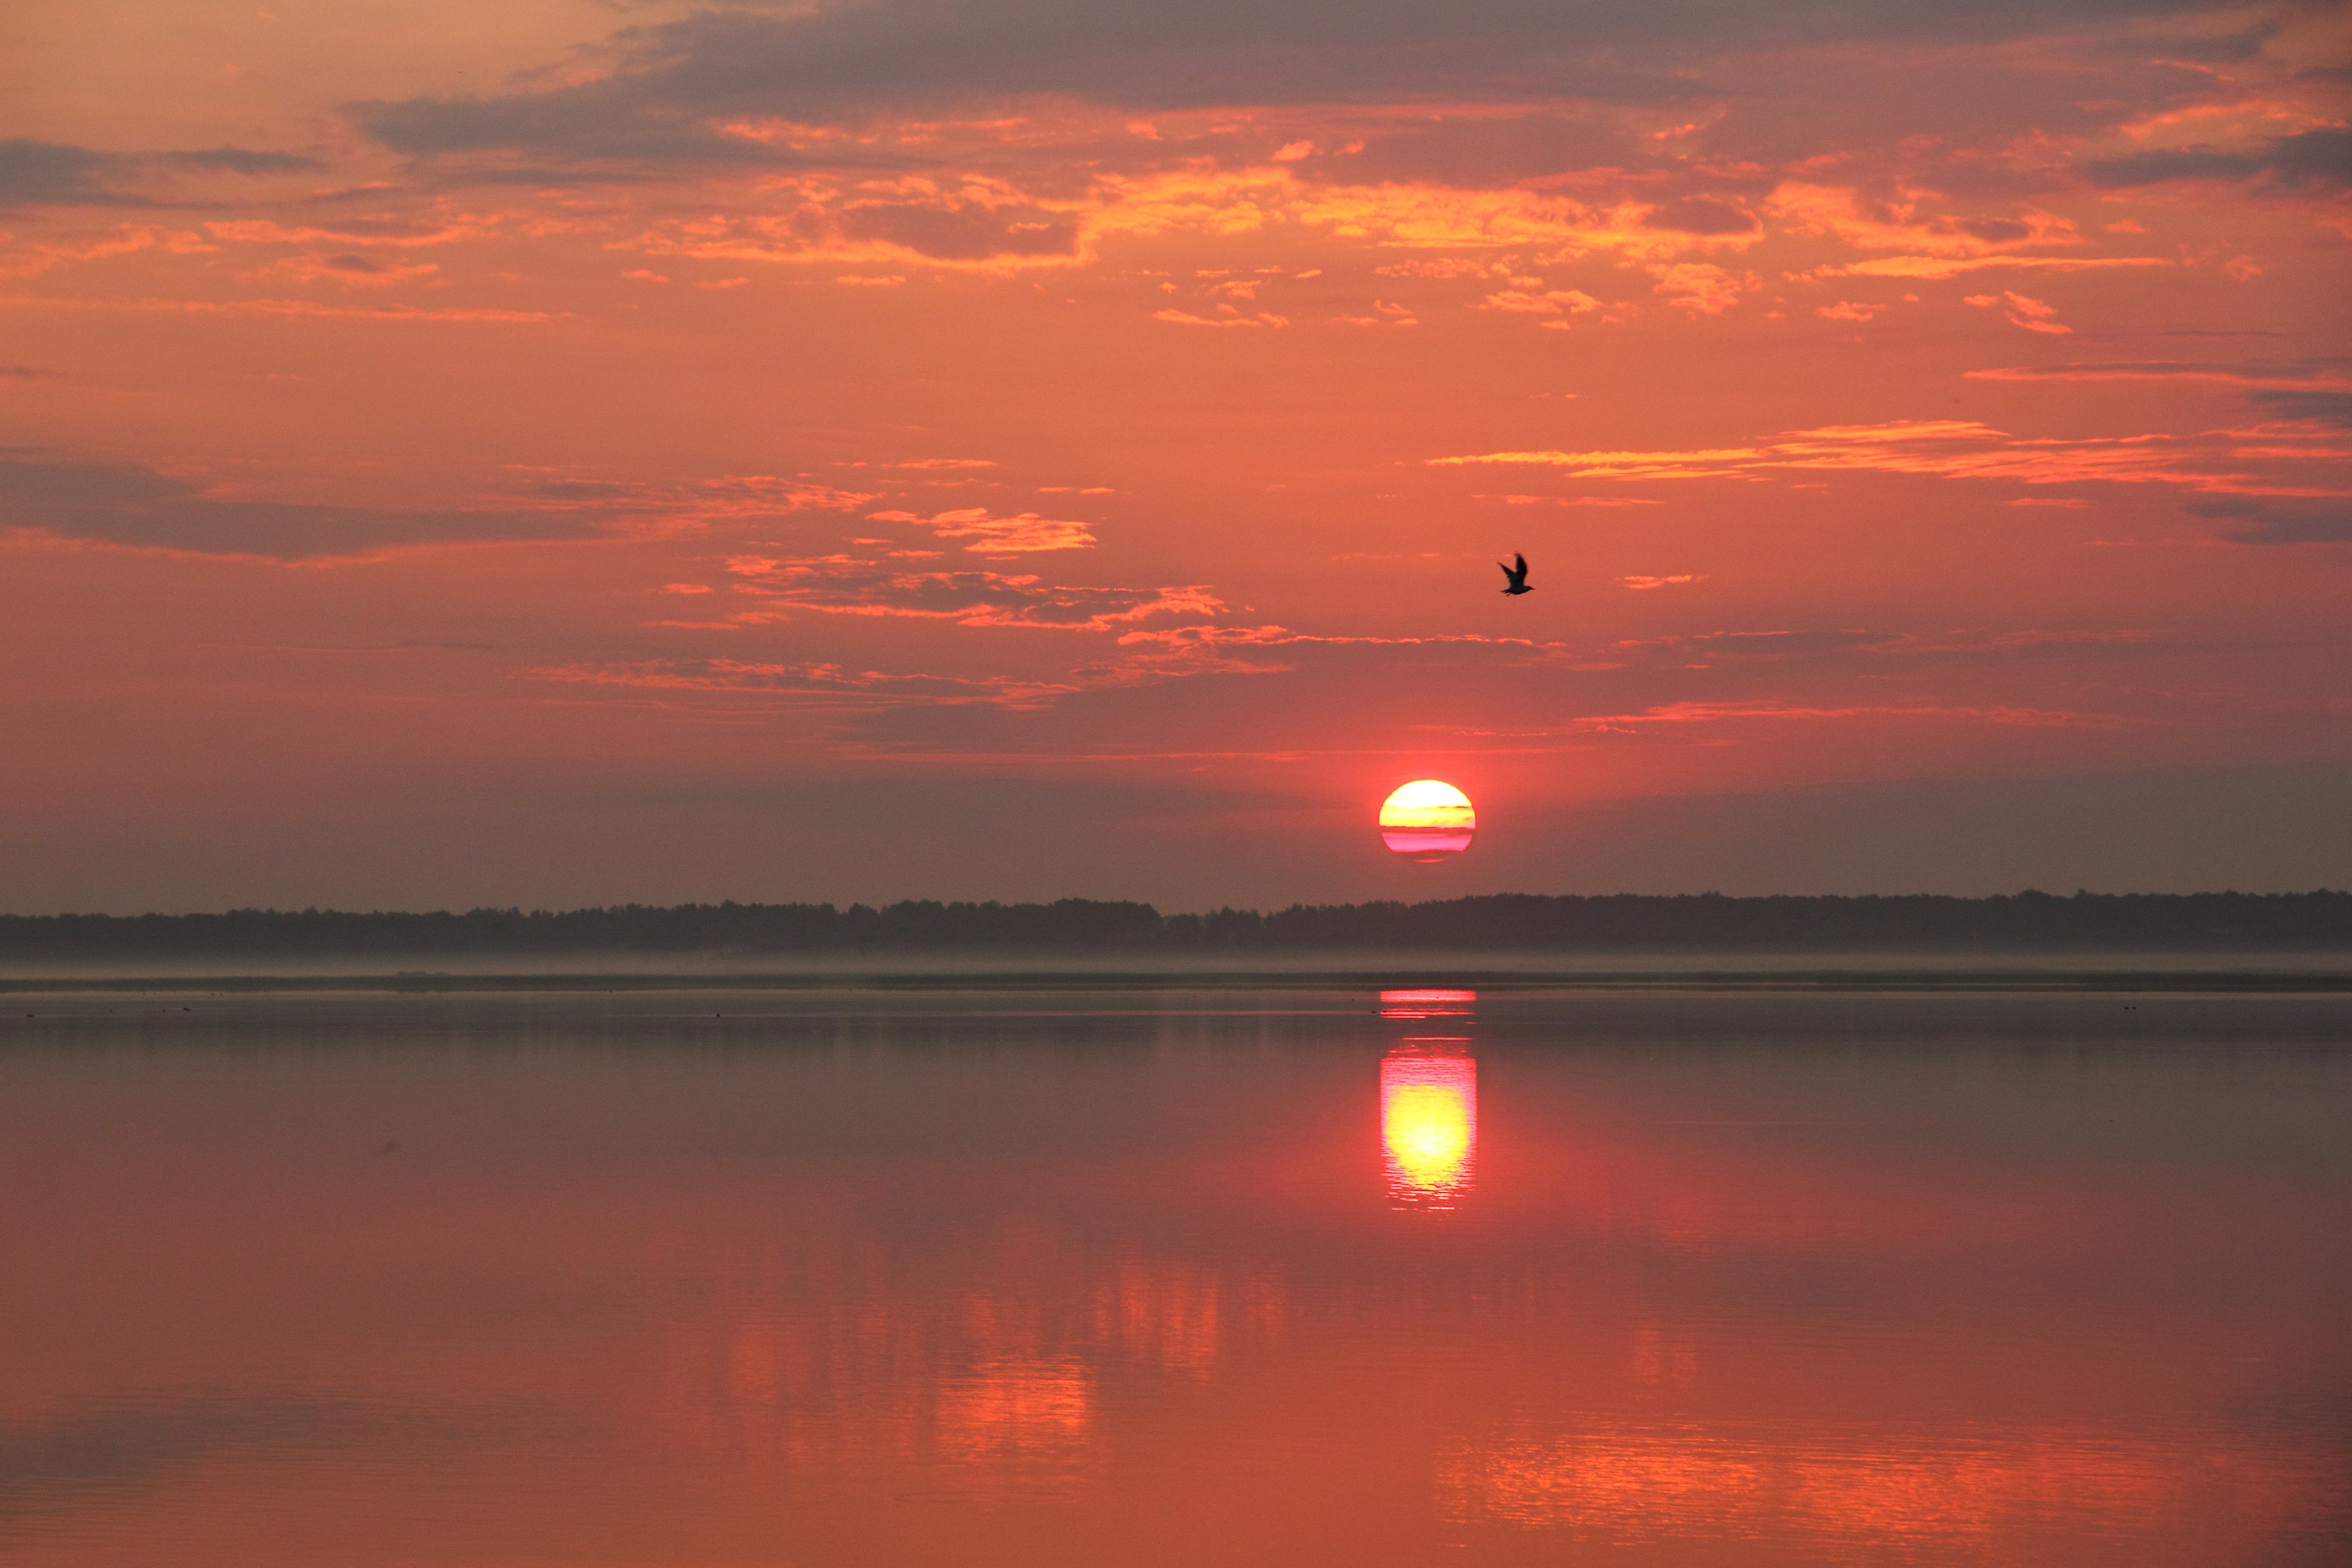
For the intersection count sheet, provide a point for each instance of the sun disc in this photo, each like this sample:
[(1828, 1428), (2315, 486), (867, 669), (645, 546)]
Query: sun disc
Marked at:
[(1428, 820)]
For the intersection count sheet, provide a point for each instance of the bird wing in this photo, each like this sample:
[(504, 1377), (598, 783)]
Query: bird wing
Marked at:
[(1505, 570), (1520, 561)]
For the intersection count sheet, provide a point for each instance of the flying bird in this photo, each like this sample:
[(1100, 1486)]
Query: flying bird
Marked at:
[(1517, 574)]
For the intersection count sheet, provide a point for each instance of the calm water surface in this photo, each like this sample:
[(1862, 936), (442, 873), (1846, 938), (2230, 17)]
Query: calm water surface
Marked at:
[(1279, 1277)]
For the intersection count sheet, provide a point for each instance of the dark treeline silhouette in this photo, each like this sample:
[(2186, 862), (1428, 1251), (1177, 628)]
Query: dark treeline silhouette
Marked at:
[(1508, 923)]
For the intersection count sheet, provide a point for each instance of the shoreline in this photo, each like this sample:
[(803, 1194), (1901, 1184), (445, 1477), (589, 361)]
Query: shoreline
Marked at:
[(2330, 980)]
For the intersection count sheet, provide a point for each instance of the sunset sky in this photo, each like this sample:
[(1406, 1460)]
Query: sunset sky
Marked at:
[(580, 451)]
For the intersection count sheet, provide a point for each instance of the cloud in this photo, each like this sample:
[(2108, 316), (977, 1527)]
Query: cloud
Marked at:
[(1702, 650), (52, 173), (403, 231), (1025, 534), (1606, 501), (729, 497), (1701, 713), (2279, 460), (241, 160), (686, 89), (2024, 310), (1901, 225), (2306, 161), (1144, 657), (1701, 288), (1066, 209), (1938, 267), (1649, 583), (822, 686), (2321, 378), (1186, 318), (310, 307), (353, 270), (2268, 524), (37, 257), (1552, 302), (1184, 651), (1706, 215), (132, 504), (852, 585), (2319, 405), (49, 173)]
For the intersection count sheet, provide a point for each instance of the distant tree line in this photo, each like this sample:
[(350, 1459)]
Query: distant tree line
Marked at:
[(1506, 923)]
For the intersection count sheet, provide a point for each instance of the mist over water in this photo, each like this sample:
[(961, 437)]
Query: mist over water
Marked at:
[(1388, 1274)]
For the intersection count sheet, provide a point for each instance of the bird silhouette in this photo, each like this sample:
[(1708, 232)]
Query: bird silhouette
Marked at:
[(1517, 574)]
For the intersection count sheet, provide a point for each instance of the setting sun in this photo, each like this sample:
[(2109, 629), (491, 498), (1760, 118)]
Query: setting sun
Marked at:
[(1429, 820)]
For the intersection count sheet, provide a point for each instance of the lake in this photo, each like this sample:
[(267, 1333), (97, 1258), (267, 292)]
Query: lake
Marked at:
[(1281, 1275)]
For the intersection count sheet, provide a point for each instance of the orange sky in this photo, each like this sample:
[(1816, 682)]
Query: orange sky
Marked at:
[(588, 453)]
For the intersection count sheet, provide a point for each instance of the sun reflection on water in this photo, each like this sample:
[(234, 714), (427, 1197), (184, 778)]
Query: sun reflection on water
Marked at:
[(1429, 1122), (1427, 1004)]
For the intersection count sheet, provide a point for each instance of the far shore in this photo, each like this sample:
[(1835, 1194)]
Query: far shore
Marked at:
[(2268, 972)]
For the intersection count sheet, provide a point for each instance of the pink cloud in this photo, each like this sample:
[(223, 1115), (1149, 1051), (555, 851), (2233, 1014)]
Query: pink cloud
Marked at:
[(852, 585), (2274, 460), (1025, 534), (1186, 318)]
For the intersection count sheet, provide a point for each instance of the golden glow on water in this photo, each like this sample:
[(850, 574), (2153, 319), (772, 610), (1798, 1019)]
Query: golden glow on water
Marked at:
[(1429, 820), (1016, 1412), (1428, 1123), (1427, 1004)]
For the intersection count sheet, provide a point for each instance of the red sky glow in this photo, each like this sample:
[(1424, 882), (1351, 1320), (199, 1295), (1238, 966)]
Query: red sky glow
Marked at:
[(570, 453)]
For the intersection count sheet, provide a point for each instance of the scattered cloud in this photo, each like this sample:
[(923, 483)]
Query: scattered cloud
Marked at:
[(1710, 713), (1186, 318), (1025, 534), (1938, 267), (353, 270), (129, 504), (1552, 302), (2267, 523), (1610, 502), (821, 686), (731, 497), (49, 173), (1702, 288), (2308, 161), (2023, 310), (132, 505), (310, 307), (1273, 650), (2316, 405), (853, 585), (1905, 223), (2281, 460), (2328, 380)]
